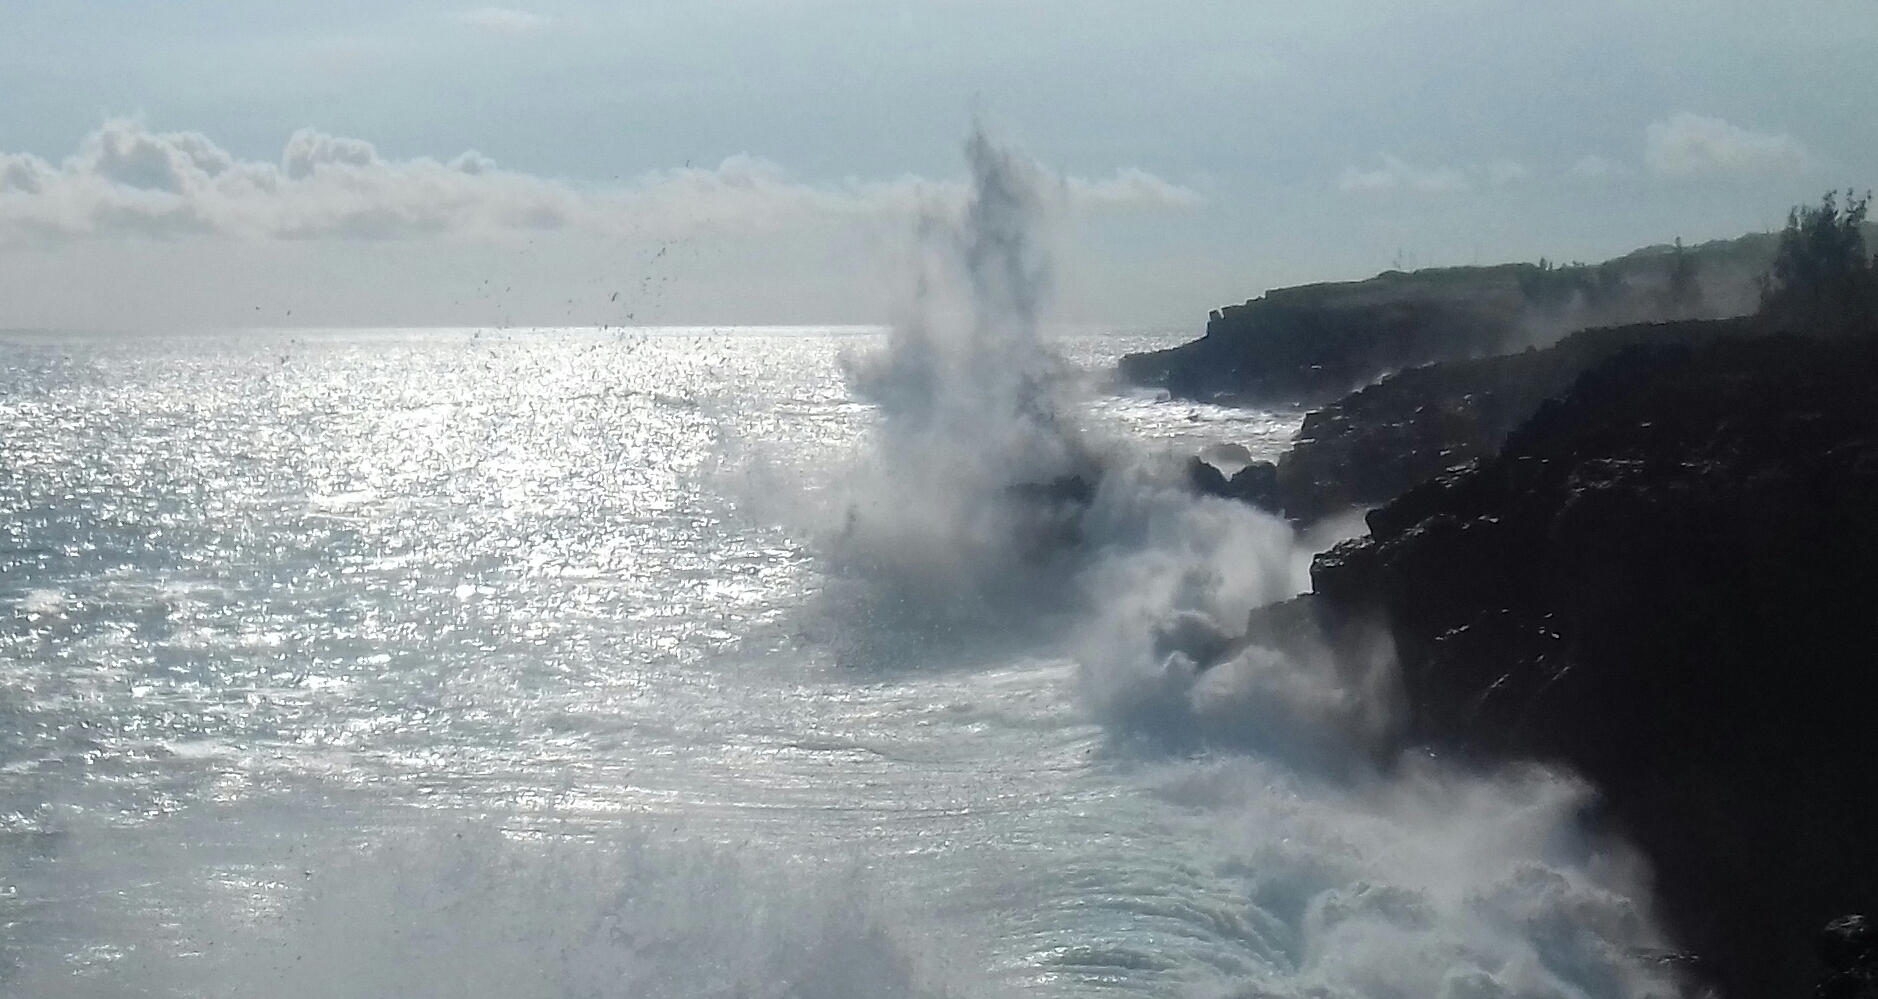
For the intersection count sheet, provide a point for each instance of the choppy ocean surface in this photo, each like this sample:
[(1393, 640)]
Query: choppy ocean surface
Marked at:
[(495, 664)]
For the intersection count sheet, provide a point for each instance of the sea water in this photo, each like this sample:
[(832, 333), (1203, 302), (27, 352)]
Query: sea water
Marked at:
[(505, 663)]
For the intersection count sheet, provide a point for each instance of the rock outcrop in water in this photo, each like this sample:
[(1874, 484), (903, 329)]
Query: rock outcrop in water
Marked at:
[(1256, 483), (1667, 581), (1314, 343)]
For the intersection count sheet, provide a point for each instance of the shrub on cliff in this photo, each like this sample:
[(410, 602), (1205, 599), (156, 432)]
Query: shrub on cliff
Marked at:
[(1823, 279)]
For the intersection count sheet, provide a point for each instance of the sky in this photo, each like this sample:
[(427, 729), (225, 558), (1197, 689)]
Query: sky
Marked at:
[(197, 164)]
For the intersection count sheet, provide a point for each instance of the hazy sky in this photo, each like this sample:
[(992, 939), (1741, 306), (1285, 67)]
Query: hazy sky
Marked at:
[(715, 161)]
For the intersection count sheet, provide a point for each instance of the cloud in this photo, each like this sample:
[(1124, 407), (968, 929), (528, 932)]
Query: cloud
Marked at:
[(126, 180), (1396, 174), (1131, 187), (504, 20), (1691, 145), (1594, 167), (1503, 172)]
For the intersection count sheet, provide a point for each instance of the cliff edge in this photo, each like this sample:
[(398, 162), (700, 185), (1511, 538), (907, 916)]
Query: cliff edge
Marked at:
[(1666, 581)]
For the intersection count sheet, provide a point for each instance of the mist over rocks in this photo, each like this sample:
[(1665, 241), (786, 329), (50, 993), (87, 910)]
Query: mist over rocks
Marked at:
[(1378, 442), (1314, 343), (1382, 440), (981, 511), (1665, 581), (1647, 609), (1256, 483)]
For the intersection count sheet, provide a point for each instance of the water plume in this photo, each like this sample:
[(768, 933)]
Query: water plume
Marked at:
[(1371, 873), (983, 498), (978, 473)]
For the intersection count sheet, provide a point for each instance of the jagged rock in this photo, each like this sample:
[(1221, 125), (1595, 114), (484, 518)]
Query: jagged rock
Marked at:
[(1380, 441), (1256, 483), (1667, 580)]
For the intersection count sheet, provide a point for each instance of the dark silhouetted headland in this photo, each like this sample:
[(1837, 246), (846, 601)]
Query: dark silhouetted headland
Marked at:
[(1313, 343), (1664, 578)]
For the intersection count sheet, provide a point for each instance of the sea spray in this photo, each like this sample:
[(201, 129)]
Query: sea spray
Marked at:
[(256, 791), (1362, 871), (983, 498), (978, 472), (468, 909)]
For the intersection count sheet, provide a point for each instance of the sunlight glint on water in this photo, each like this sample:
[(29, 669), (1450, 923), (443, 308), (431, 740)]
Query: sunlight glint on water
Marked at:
[(276, 601)]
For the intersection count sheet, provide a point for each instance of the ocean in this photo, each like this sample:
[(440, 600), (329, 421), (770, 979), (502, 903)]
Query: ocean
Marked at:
[(577, 663)]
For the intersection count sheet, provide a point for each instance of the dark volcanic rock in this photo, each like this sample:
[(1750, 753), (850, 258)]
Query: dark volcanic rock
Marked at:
[(1320, 341), (1374, 444), (1313, 343), (1668, 581), (1256, 483), (1848, 949)]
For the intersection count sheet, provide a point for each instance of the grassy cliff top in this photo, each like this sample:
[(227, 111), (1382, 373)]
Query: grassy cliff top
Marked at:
[(1511, 285)]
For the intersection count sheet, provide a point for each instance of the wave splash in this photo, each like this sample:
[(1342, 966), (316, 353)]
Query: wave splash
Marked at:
[(1361, 870), (978, 470), (1306, 858), (452, 910)]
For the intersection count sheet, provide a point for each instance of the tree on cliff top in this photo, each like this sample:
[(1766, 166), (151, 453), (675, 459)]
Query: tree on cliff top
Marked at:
[(1823, 279)]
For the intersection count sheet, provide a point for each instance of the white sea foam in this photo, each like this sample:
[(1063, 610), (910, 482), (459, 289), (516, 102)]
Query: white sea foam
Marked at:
[(42, 602), (1370, 875), (449, 911), (1091, 780)]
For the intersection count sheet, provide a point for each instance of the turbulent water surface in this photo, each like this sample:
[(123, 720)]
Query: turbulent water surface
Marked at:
[(479, 664)]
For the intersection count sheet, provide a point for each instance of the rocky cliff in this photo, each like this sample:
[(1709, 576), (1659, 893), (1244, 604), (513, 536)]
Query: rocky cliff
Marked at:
[(1314, 343), (1318, 342), (1376, 443), (1666, 581)]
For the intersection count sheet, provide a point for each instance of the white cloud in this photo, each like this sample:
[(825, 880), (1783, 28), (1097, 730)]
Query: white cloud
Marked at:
[(1131, 187), (1594, 167), (1503, 172), (1397, 174), (1691, 145), (126, 181), (504, 20)]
